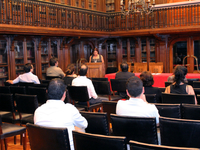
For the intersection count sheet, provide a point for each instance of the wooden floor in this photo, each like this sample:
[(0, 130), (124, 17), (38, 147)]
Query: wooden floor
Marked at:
[(17, 146)]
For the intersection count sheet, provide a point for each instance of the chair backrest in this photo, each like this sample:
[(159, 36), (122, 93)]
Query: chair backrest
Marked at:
[(42, 85), (47, 138), (45, 82), (18, 89), (162, 89), (190, 111), (118, 85), (151, 98), (169, 110), (51, 77), (97, 123), (102, 87), (198, 99), (177, 98), (196, 91), (168, 83), (179, 132), (142, 129), (134, 145), (5, 89), (26, 84), (26, 103), (87, 141), (40, 92), (196, 84), (99, 79), (7, 102), (191, 80), (110, 108), (78, 93), (68, 80)]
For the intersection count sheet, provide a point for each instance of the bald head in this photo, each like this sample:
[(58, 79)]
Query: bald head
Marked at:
[(83, 70)]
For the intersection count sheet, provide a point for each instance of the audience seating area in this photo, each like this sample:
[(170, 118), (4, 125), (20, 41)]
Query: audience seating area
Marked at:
[(179, 125)]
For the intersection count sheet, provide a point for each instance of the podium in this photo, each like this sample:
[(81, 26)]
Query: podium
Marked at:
[(95, 70)]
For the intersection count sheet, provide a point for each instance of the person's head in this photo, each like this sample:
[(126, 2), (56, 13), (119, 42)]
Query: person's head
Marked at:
[(134, 87), (56, 89), (124, 67), (147, 78), (70, 69), (83, 70), (179, 74), (54, 61), (95, 52), (28, 68)]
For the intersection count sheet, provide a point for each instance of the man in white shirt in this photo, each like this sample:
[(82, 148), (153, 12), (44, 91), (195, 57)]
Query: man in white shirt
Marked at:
[(55, 113), (54, 70), (136, 105), (28, 76), (82, 80)]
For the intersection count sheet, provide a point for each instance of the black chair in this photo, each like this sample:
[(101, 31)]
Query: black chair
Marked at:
[(168, 83), (142, 129), (52, 77), (162, 89), (80, 94), (45, 82), (110, 108), (18, 90), (119, 86), (178, 98), (26, 84), (189, 111), (87, 141), (7, 109), (97, 123), (196, 84), (26, 106), (42, 85), (169, 110), (9, 130), (191, 80), (40, 92), (198, 99), (68, 80), (151, 98), (196, 91), (48, 138), (180, 132), (5, 89), (134, 145), (102, 89), (99, 79)]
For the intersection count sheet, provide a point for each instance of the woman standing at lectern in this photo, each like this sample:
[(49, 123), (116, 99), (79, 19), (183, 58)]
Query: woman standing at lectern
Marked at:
[(95, 57)]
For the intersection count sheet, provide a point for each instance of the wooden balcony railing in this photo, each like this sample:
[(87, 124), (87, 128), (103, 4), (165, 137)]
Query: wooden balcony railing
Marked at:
[(45, 14)]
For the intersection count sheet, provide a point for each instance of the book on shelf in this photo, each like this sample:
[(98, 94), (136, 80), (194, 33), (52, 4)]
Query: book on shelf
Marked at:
[(1, 59)]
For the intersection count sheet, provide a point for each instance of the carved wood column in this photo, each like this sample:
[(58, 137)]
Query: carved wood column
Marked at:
[(190, 51)]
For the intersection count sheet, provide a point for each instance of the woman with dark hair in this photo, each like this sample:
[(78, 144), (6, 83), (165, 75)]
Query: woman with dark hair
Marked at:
[(147, 79), (95, 57), (70, 71), (179, 86)]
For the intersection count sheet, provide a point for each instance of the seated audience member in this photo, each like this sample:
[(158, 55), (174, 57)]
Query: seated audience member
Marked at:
[(54, 70), (136, 105), (171, 78), (55, 113), (179, 86), (28, 76), (70, 71), (82, 80), (147, 79), (124, 75)]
